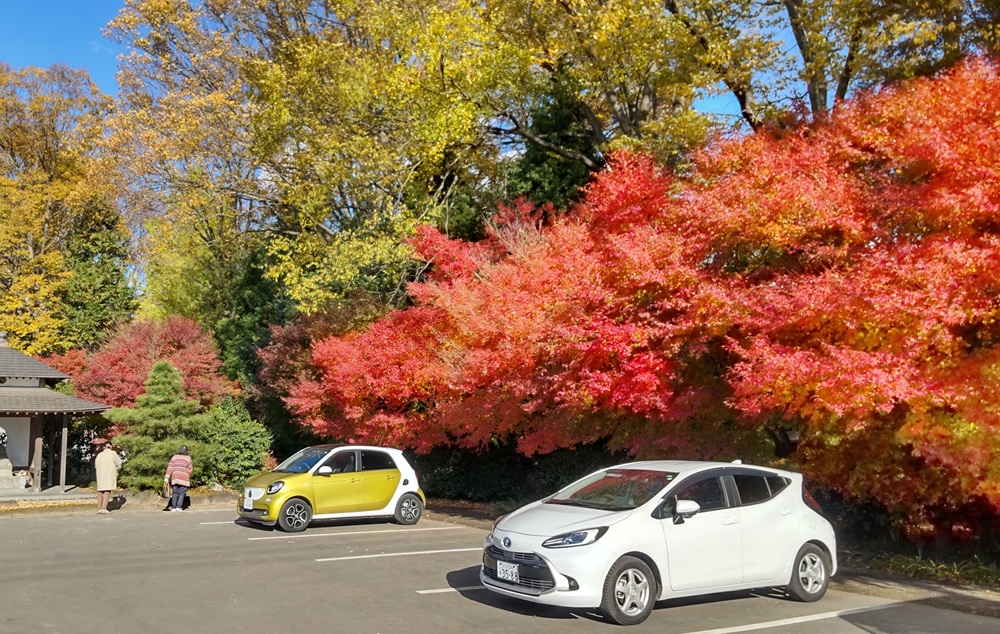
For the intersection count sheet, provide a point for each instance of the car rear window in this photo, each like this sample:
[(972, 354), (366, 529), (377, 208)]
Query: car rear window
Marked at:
[(376, 460), (777, 484)]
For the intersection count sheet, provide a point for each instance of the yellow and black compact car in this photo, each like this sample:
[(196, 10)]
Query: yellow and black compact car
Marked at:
[(334, 482)]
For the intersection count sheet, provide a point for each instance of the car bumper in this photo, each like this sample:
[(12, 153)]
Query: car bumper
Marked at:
[(258, 516), (549, 576), (263, 508)]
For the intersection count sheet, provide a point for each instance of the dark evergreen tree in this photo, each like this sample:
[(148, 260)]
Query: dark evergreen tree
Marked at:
[(250, 303), (97, 295), (162, 420), (540, 174)]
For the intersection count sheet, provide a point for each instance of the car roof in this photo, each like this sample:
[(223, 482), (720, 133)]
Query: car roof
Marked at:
[(682, 467), (346, 446)]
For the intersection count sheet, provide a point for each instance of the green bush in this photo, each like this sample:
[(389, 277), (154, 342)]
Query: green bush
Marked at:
[(236, 445)]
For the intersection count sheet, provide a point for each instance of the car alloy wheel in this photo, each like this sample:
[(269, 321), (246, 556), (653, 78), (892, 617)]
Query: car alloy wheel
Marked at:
[(409, 509), (809, 579), (629, 592), (294, 515)]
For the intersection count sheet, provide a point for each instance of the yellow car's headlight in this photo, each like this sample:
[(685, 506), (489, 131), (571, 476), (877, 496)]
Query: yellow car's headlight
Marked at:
[(275, 486)]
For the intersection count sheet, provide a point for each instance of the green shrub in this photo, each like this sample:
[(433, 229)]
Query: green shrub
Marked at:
[(236, 445)]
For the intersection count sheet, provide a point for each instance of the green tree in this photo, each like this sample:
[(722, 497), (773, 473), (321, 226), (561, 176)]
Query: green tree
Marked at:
[(161, 421), (544, 176), (237, 445), (51, 183), (97, 295)]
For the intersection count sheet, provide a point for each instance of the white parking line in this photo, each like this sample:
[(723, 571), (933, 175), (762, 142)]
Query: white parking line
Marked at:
[(391, 530), (440, 590), (794, 621), (412, 552)]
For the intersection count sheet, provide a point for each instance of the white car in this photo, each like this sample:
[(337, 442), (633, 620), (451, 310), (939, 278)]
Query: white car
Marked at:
[(624, 537)]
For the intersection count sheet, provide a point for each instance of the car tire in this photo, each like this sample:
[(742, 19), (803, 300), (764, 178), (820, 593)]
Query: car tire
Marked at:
[(810, 574), (294, 515), (409, 509), (629, 592)]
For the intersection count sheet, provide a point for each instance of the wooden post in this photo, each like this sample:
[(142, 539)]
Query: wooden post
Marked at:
[(52, 453), (62, 454)]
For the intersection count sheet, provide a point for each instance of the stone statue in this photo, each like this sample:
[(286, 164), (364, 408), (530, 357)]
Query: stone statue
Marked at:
[(6, 474)]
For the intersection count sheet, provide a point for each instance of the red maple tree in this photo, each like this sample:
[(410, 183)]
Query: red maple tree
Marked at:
[(116, 373), (839, 280)]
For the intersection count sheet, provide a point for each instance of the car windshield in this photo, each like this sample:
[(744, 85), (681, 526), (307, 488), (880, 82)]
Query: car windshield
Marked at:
[(614, 489), (303, 460)]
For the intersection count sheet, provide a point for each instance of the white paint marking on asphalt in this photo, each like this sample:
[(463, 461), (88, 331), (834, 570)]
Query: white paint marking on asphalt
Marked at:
[(214, 523), (395, 530), (440, 590), (413, 552), (794, 621)]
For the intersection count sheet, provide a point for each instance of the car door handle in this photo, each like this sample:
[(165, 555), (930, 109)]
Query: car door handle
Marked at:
[(786, 511), (729, 521)]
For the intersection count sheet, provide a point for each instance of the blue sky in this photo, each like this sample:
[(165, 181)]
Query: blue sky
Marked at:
[(44, 32)]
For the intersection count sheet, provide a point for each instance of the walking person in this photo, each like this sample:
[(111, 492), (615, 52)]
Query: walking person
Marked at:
[(107, 463), (178, 476)]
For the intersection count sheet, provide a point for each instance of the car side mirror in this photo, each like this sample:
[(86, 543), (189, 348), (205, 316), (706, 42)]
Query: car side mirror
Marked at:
[(324, 470), (685, 509)]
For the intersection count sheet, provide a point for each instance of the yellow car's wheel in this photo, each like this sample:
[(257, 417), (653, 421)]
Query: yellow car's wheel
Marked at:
[(409, 509), (294, 515)]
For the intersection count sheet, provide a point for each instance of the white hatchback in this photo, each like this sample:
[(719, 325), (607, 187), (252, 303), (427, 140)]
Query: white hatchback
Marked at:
[(624, 537)]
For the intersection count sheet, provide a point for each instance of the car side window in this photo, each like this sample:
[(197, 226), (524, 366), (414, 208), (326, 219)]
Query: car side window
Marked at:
[(707, 493), (343, 462), (753, 489), (376, 460), (777, 484)]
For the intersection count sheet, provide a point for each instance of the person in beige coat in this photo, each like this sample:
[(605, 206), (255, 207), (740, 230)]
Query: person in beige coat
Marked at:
[(106, 464)]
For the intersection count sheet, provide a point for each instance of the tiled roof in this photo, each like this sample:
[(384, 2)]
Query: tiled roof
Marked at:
[(29, 401), (14, 364)]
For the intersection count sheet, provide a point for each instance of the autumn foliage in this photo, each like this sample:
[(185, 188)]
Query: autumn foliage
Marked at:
[(840, 280), (116, 373)]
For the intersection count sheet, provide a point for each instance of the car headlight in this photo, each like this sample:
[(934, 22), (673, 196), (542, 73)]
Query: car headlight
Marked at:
[(576, 538), (275, 486)]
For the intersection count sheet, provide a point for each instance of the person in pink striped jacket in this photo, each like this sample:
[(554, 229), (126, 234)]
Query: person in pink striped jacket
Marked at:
[(178, 476)]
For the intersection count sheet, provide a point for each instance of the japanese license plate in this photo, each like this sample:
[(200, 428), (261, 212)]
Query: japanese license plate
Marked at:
[(248, 502), (507, 572)]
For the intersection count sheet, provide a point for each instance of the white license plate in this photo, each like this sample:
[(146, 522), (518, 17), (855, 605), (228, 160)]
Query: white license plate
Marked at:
[(248, 503), (507, 572)]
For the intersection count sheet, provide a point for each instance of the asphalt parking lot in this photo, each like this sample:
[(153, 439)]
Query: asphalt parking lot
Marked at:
[(144, 570)]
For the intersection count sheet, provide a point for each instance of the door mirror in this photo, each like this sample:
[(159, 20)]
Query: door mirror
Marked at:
[(685, 509), (324, 470)]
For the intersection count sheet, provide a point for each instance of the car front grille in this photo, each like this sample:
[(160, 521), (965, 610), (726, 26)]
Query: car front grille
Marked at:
[(533, 573), (509, 555)]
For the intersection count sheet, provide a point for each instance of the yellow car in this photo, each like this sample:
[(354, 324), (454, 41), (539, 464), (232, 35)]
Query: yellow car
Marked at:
[(334, 482)]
